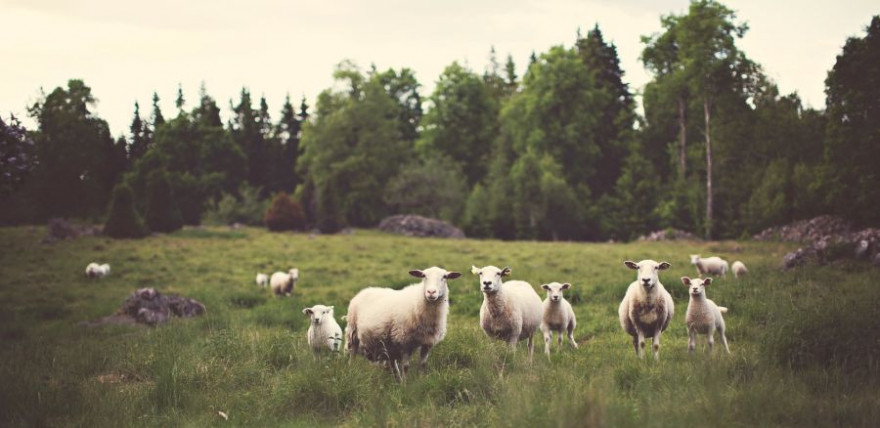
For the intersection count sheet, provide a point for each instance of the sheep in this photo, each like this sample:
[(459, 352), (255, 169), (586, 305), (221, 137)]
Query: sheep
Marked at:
[(703, 315), (94, 270), (647, 307), (283, 283), (511, 310), (709, 265), (324, 332), (262, 280), (387, 325), (739, 269), (558, 316)]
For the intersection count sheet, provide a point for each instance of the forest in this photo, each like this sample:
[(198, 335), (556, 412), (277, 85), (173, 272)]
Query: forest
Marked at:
[(567, 151)]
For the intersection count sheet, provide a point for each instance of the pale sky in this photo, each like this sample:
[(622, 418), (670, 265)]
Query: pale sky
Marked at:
[(125, 50)]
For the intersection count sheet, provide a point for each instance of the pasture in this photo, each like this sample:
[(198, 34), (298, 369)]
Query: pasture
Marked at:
[(804, 343)]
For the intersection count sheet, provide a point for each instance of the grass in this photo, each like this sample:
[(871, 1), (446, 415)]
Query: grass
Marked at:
[(804, 345)]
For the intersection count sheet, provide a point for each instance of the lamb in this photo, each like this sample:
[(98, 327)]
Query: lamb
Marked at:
[(739, 269), (647, 307), (709, 265), (558, 316), (324, 332), (284, 283), (262, 280), (511, 310), (387, 325), (703, 315), (94, 270)]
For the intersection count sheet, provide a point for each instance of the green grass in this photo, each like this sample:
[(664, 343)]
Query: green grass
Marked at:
[(804, 345)]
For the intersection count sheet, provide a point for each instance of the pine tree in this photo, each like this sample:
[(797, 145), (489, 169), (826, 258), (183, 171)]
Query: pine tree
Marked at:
[(123, 221), (158, 119), (138, 141), (180, 101), (163, 213)]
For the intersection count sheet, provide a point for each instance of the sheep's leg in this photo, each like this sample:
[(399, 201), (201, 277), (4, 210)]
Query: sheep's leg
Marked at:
[(710, 338), (636, 345), (692, 340), (548, 337), (423, 360), (571, 335), (559, 340), (531, 347), (724, 341), (656, 345), (640, 350)]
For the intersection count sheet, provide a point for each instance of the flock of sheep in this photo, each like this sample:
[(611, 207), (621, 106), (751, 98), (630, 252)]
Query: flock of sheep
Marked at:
[(388, 326)]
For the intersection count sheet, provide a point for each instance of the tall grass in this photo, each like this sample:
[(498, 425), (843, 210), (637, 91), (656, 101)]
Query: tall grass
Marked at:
[(801, 341)]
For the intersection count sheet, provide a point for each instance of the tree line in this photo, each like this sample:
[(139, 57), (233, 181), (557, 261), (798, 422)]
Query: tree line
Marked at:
[(558, 153)]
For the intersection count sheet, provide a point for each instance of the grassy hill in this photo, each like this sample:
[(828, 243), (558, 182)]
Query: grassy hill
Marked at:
[(804, 343)]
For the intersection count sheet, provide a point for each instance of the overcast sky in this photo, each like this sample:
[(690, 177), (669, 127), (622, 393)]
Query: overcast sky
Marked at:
[(125, 50)]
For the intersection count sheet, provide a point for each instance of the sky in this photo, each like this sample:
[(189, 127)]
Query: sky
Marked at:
[(125, 50)]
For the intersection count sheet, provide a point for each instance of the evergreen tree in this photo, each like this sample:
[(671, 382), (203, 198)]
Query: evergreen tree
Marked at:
[(163, 213), (179, 101), (123, 221), (137, 137), (158, 119)]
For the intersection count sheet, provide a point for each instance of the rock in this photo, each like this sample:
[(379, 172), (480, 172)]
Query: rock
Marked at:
[(669, 235), (59, 229), (416, 225), (827, 239), (150, 307)]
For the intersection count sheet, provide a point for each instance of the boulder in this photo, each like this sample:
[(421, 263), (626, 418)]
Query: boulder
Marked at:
[(416, 225), (150, 307)]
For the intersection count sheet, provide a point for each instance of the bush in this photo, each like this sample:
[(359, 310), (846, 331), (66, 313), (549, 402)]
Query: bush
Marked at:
[(163, 213), (285, 214), (246, 208), (124, 221)]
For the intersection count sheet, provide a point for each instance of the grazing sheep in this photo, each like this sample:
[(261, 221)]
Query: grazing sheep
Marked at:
[(387, 325), (709, 265), (284, 283), (647, 307), (511, 310), (703, 315), (324, 332), (739, 269), (558, 316), (94, 270), (262, 280)]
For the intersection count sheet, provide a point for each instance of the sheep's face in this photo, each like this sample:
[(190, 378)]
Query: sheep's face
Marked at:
[(294, 274), (434, 282), (696, 286), (695, 258), (318, 314), (490, 277), (649, 272), (554, 290)]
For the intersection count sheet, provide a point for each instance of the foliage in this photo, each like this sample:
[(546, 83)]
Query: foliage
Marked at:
[(17, 159), (163, 213), (433, 188), (245, 207), (285, 214), (123, 221)]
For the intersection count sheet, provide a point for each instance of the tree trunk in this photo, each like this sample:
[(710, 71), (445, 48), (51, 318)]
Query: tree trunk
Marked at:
[(682, 138), (708, 170)]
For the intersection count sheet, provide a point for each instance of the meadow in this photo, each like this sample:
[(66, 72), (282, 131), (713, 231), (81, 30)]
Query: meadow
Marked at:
[(804, 344)]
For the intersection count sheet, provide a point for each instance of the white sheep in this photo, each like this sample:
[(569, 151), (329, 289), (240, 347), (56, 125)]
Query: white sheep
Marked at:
[(387, 325), (324, 332), (739, 269), (703, 315), (511, 310), (709, 265), (647, 307), (94, 270), (284, 283), (262, 280), (558, 316)]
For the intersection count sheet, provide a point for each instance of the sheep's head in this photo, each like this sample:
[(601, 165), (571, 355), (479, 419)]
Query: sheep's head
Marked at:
[(649, 271), (490, 277), (697, 286), (434, 283), (318, 313), (554, 290), (695, 258), (294, 274)]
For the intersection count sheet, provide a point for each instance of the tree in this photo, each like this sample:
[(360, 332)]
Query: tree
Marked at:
[(123, 221), (17, 159), (163, 213), (138, 138), (285, 214), (179, 101), (404, 88), (431, 187), (158, 118)]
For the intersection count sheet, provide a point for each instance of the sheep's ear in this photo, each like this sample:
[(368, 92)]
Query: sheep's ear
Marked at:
[(707, 281), (546, 287), (452, 275), (685, 280), (632, 265), (307, 311), (505, 271), (475, 270), (566, 286), (417, 273), (331, 308), (664, 266)]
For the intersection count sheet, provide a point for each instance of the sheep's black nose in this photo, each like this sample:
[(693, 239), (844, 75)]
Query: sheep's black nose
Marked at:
[(487, 283)]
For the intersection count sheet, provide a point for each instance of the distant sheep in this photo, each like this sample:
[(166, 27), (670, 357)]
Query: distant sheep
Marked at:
[(558, 316), (703, 315), (647, 307), (94, 270), (739, 269), (262, 280), (284, 283), (324, 333), (512, 310), (710, 265), (387, 325)]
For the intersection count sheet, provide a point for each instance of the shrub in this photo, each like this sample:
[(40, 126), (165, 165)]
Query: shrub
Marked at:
[(163, 213), (285, 214), (246, 207), (124, 221)]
